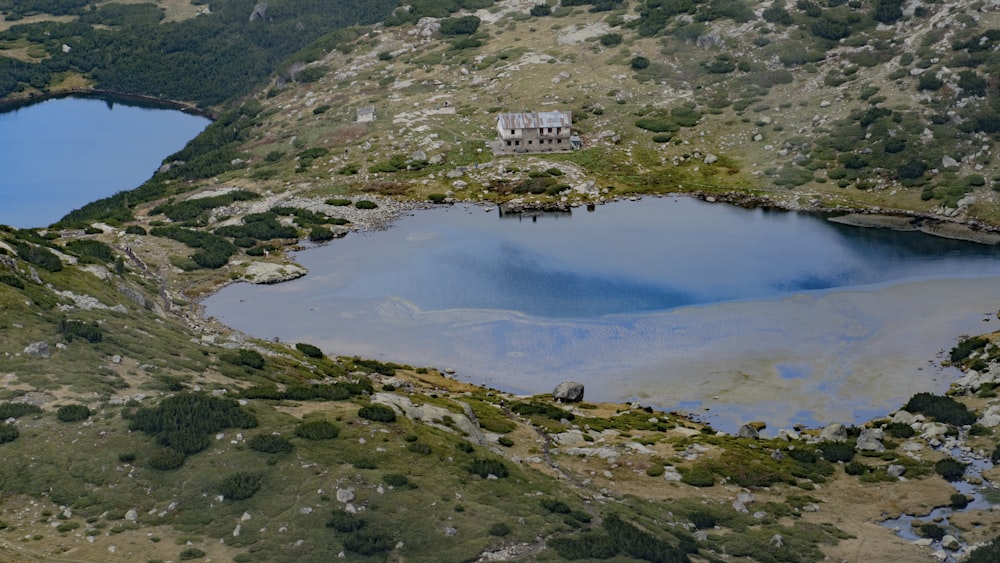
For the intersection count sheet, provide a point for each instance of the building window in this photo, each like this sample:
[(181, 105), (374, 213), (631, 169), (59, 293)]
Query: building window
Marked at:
[(508, 143), (517, 143), (511, 131), (529, 142), (559, 141)]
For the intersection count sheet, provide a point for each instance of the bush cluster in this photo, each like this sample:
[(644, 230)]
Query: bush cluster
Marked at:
[(240, 485), (242, 357), (213, 251), (309, 350), (486, 467), (8, 433), (541, 409), (191, 209), (345, 522), (17, 410), (71, 329), (317, 430), (270, 444), (72, 413), (943, 409), (378, 413)]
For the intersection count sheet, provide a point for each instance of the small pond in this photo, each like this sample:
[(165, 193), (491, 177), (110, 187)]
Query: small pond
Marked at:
[(60, 154), (728, 313)]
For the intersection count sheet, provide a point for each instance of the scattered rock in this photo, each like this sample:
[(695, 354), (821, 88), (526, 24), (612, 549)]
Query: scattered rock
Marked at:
[(345, 495), (895, 470), (748, 431), (132, 515), (269, 272)]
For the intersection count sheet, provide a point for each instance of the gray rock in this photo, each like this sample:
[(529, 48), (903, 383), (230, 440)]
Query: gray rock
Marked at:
[(777, 455), (895, 470), (345, 495), (418, 155), (746, 497), (38, 349), (568, 392), (870, 440), (777, 541), (711, 158), (132, 515), (747, 431), (740, 507), (834, 433), (949, 162), (950, 542)]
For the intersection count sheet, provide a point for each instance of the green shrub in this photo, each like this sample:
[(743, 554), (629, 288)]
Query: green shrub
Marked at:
[(338, 202), (135, 230), (70, 329), (588, 545), (465, 25), (899, 430), (309, 350), (959, 501), (366, 204), (191, 553), (486, 467), (655, 470), (91, 248), (247, 358), (640, 544), (555, 506), (436, 198), (539, 10), (697, 476), (345, 522), (17, 410), (943, 409), (611, 39), (499, 529), (855, 468), (418, 448), (126, 457), (240, 485), (72, 413), (932, 531), (541, 409), (317, 430), (166, 459), (8, 433), (505, 441), (836, 451), (398, 481), (368, 543), (378, 413), (966, 347), (185, 440), (950, 469), (270, 444), (639, 63)]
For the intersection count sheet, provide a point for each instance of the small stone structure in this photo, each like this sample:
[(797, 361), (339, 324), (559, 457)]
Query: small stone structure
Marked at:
[(366, 114), (546, 131)]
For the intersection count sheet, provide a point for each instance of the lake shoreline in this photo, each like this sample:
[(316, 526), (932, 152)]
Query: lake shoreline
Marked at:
[(9, 104)]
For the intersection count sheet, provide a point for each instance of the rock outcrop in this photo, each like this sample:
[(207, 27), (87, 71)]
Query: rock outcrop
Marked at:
[(568, 392)]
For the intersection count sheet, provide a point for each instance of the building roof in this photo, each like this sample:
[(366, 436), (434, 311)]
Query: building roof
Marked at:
[(366, 109), (535, 120)]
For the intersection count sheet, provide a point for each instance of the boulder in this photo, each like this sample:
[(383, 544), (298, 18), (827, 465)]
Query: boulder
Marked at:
[(895, 470), (269, 272), (834, 433), (38, 349), (870, 440), (748, 431), (568, 392), (345, 495)]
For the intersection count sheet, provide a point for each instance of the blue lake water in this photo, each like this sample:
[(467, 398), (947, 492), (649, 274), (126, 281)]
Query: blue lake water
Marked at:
[(729, 313), (60, 154)]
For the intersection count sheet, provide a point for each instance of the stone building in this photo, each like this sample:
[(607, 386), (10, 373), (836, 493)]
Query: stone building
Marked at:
[(544, 131)]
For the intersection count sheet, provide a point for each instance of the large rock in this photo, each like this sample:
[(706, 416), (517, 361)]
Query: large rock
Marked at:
[(568, 392), (748, 431), (870, 440), (834, 433), (269, 272), (38, 349)]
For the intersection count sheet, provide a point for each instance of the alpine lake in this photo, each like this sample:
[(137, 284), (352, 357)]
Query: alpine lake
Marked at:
[(727, 314)]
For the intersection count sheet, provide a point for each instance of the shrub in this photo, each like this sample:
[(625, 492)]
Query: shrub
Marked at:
[(338, 202), (166, 459), (505, 441), (662, 137), (91, 332), (555, 506), (397, 480), (611, 39), (959, 501), (368, 543), (465, 25), (270, 444), (366, 204), (317, 430), (247, 358), (436, 198), (855, 468), (899, 430), (321, 234), (944, 409), (17, 410), (240, 486), (184, 440), (836, 451), (655, 470), (541, 409), (191, 553), (932, 531), (8, 433), (640, 544), (126, 457), (639, 63), (309, 350), (966, 347), (72, 413), (418, 448), (135, 230), (486, 467), (378, 413), (950, 469), (345, 522), (499, 529), (697, 476), (539, 10), (588, 545)]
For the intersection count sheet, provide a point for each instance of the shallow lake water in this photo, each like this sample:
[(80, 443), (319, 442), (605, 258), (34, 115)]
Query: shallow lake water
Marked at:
[(60, 154), (727, 313)]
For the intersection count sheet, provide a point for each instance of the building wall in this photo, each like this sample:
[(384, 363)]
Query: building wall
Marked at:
[(545, 139)]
